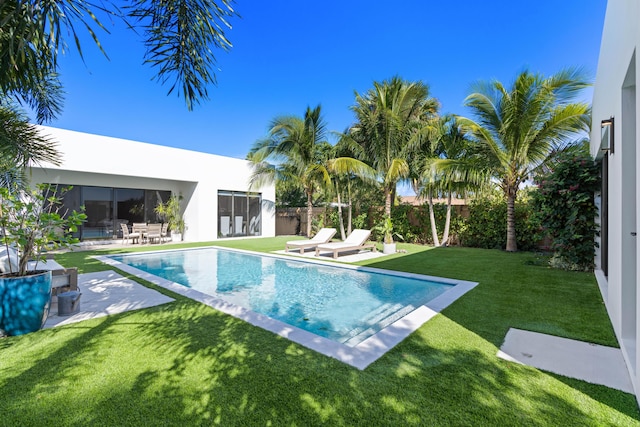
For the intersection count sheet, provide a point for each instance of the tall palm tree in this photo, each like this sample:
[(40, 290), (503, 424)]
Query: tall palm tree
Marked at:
[(517, 128), (180, 38), (388, 118), (295, 149), (347, 168), (453, 148)]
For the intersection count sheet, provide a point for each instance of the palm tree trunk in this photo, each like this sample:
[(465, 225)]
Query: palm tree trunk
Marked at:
[(387, 201), (447, 222), (432, 219), (349, 212), (342, 236), (512, 245), (309, 211)]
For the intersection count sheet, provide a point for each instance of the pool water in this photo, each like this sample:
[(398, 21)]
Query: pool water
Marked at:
[(341, 304)]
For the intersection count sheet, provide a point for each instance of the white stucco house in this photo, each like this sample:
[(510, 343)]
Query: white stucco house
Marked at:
[(614, 144), (121, 181)]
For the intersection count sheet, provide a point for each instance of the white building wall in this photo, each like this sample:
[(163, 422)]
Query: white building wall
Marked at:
[(615, 95), (96, 160)]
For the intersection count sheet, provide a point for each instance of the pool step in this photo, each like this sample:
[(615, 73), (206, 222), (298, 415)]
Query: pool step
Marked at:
[(378, 319), (381, 313)]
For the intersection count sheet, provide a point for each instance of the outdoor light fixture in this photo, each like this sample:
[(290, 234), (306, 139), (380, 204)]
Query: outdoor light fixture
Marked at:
[(607, 135)]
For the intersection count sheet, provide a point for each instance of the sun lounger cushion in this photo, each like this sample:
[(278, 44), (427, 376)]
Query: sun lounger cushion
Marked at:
[(323, 236)]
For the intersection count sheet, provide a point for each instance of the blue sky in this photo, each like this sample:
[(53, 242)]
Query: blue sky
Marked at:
[(288, 55)]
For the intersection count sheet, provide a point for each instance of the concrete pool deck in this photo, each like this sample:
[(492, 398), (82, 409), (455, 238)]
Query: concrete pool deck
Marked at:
[(105, 293)]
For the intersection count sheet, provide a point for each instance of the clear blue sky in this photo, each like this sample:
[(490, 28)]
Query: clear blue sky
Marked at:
[(291, 54)]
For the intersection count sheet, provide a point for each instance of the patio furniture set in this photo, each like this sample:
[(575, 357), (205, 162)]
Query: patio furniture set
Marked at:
[(143, 232)]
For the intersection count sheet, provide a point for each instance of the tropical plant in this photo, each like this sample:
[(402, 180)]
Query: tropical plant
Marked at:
[(21, 144), (35, 221), (179, 38), (390, 118), (517, 128), (299, 153), (385, 228), (171, 212), (566, 206)]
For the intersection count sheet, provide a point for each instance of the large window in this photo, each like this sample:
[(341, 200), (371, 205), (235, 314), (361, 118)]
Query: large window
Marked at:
[(239, 214), (108, 207)]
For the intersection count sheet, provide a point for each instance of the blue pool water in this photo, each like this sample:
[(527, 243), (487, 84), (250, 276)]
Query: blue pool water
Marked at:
[(341, 304)]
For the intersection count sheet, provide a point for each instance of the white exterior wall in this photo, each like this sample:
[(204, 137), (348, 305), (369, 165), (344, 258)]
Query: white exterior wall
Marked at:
[(615, 95), (89, 159)]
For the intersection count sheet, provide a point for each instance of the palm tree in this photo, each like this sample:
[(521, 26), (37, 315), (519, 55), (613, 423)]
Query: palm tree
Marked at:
[(21, 144), (517, 128), (453, 148), (179, 40), (389, 117), (299, 152), (348, 169)]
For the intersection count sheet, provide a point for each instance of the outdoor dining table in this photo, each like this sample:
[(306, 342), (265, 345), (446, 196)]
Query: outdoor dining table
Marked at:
[(140, 228)]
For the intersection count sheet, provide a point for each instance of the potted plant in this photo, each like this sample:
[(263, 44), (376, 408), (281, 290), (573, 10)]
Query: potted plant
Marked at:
[(171, 212), (31, 223), (386, 229)]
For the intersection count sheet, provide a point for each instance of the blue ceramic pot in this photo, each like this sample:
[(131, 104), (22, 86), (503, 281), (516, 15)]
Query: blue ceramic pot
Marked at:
[(24, 302)]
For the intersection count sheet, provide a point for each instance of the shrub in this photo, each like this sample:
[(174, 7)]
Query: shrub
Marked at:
[(486, 226), (566, 207)]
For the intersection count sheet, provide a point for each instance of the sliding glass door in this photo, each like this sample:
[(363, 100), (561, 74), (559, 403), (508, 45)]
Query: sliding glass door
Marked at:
[(239, 214)]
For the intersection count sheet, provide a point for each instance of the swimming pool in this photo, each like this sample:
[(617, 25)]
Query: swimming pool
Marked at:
[(346, 305)]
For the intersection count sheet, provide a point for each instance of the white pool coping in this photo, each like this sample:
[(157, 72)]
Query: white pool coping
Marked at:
[(359, 356)]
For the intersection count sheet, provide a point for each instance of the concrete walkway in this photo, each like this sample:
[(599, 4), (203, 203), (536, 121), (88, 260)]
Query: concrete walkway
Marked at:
[(104, 293), (595, 364)]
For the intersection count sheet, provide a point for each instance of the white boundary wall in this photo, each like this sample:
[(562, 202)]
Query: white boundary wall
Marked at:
[(89, 159), (615, 95)]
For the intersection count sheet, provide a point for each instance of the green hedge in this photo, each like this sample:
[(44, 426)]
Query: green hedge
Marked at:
[(486, 226)]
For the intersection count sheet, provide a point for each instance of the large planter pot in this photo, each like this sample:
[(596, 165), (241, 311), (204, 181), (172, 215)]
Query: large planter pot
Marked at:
[(176, 237), (24, 302), (388, 248)]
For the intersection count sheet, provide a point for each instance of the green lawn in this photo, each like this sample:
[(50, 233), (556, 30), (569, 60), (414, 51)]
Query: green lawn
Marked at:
[(184, 363)]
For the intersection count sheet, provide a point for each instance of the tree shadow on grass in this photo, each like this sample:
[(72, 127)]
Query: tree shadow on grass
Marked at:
[(512, 294), (186, 364)]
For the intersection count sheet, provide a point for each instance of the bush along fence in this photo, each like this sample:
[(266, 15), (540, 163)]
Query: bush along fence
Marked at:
[(567, 210), (483, 224)]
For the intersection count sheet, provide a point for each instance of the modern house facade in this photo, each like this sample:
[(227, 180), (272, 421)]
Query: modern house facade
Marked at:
[(614, 144), (121, 181)]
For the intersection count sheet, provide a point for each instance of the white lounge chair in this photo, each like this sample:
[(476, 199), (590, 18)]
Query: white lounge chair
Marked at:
[(323, 236), (355, 241)]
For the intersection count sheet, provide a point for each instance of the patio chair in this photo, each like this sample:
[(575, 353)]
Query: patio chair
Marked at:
[(323, 236), (154, 232), (140, 227), (126, 234), (357, 240), (62, 279), (164, 232)]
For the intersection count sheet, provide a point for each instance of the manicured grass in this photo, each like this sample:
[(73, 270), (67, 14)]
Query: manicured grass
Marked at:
[(186, 364)]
